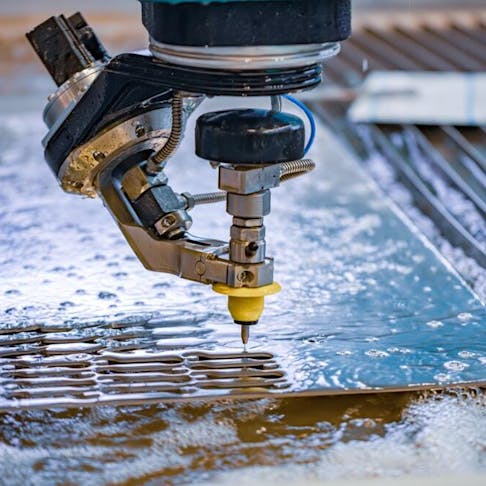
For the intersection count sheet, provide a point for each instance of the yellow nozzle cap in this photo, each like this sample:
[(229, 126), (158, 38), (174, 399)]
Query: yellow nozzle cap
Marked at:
[(246, 304)]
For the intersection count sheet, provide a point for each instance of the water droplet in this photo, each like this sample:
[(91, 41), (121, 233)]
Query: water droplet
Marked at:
[(464, 316), (344, 353), (442, 377), (435, 324), (106, 295), (376, 353), (466, 354), (455, 365), (12, 292), (67, 303)]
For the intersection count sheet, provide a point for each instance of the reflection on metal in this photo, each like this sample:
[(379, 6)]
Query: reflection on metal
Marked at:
[(246, 58)]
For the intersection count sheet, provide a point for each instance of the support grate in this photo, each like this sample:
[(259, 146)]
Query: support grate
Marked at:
[(103, 365), (455, 157)]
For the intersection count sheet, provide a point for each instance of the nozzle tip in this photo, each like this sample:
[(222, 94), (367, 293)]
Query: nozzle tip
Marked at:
[(245, 333)]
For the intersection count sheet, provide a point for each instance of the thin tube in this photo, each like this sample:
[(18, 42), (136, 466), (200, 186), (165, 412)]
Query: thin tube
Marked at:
[(310, 117)]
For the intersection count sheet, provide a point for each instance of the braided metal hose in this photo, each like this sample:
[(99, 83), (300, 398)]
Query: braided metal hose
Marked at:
[(288, 171), (154, 163)]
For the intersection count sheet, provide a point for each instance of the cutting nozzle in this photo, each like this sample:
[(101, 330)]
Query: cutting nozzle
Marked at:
[(245, 333), (246, 304)]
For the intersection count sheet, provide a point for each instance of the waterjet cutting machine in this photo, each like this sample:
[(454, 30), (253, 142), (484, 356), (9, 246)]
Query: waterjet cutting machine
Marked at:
[(115, 122)]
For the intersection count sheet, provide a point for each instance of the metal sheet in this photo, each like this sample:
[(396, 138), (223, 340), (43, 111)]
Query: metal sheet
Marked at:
[(421, 98), (367, 303)]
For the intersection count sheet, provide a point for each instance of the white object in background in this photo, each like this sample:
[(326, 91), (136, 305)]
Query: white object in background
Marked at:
[(421, 98)]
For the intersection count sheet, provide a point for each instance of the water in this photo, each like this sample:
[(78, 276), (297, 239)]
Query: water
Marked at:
[(244, 442), (65, 268)]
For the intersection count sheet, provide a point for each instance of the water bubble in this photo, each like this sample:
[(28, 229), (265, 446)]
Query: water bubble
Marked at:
[(455, 365), (435, 324), (442, 377), (106, 295), (344, 353), (120, 274), (12, 292), (376, 353), (464, 316), (67, 303), (466, 354)]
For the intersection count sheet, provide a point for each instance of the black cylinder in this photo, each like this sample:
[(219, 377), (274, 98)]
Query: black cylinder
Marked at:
[(250, 137), (250, 23)]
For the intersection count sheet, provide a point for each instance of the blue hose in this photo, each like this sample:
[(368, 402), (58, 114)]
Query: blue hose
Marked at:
[(310, 117)]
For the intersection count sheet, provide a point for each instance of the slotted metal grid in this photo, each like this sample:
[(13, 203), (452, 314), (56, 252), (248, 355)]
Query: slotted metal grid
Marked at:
[(118, 364)]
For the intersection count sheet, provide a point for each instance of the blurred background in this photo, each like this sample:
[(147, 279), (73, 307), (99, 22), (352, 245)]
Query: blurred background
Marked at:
[(118, 24)]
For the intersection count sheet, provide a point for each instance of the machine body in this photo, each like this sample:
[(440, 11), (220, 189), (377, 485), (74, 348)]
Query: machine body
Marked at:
[(115, 122)]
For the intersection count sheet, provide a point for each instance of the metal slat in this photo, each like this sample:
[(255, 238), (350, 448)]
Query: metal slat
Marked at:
[(450, 173), (462, 42), (446, 51), (413, 55)]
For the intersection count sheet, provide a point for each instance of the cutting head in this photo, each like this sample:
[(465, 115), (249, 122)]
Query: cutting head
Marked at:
[(115, 122)]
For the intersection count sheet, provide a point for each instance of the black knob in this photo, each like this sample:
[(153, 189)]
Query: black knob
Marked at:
[(248, 136)]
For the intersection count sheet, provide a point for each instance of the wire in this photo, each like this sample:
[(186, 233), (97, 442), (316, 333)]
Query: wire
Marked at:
[(310, 117)]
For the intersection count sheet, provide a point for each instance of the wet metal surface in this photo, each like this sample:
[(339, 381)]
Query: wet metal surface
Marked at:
[(245, 442), (367, 303)]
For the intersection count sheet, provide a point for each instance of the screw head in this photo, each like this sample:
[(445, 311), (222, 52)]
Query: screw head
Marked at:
[(168, 221), (98, 156), (245, 276), (252, 248), (200, 268), (139, 130)]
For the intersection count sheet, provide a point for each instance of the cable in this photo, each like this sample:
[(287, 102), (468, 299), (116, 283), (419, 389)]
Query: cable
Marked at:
[(310, 117)]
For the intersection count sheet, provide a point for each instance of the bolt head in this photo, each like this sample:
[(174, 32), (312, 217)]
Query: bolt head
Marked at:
[(98, 156), (139, 130), (168, 221), (200, 268)]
